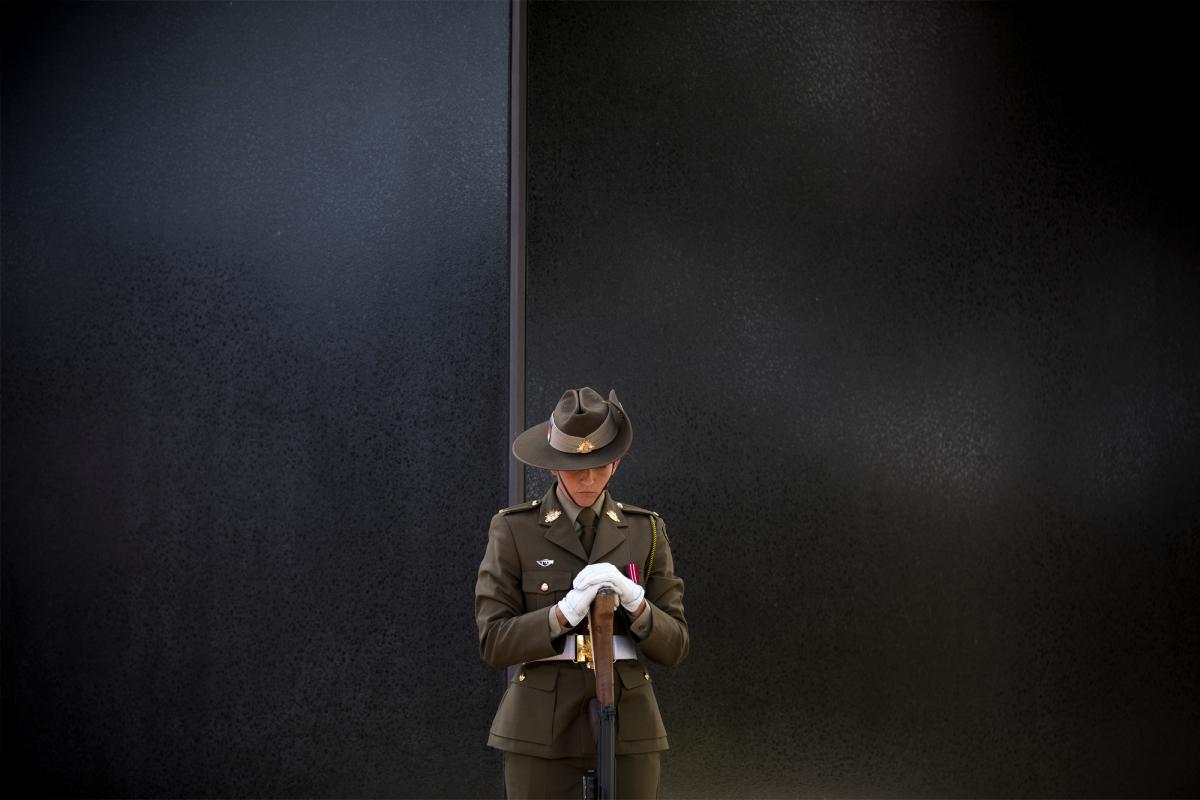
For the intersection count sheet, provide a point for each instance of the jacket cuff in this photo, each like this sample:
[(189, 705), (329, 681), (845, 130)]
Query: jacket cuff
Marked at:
[(643, 625)]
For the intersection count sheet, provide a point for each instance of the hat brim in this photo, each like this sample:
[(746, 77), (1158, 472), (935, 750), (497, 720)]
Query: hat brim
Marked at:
[(532, 448)]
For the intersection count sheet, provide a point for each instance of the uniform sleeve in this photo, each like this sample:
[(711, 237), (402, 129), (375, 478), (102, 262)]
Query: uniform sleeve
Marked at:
[(662, 629), (508, 634)]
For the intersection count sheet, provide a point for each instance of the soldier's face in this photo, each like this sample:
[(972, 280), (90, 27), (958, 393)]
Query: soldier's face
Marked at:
[(585, 485)]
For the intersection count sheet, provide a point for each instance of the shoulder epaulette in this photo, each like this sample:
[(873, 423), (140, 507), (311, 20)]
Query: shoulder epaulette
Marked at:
[(528, 505), (630, 508)]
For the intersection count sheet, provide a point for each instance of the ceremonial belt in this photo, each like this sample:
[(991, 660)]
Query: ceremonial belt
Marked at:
[(579, 648)]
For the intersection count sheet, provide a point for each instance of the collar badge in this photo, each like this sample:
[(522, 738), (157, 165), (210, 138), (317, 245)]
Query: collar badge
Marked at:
[(612, 515), (553, 515)]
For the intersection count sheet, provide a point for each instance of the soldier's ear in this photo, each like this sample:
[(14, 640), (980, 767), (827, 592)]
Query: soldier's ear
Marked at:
[(616, 464)]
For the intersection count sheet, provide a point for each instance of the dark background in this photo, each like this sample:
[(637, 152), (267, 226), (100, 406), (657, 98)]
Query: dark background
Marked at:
[(255, 355), (901, 300), (903, 303)]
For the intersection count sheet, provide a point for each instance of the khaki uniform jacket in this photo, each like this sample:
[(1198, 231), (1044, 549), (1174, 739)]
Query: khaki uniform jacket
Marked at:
[(544, 710)]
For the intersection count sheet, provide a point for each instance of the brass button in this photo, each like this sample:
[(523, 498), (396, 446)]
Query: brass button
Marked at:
[(545, 587), (521, 677)]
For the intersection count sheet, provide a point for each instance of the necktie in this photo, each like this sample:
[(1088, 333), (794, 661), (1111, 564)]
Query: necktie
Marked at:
[(587, 534)]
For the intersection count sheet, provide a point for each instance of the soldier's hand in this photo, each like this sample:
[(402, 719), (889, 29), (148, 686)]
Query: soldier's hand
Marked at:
[(577, 602), (597, 575)]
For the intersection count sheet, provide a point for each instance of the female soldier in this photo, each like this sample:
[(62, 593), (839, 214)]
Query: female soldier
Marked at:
[(545, 561)]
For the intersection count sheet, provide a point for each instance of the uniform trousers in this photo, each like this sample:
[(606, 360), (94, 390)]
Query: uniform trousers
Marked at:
[(555, 778)]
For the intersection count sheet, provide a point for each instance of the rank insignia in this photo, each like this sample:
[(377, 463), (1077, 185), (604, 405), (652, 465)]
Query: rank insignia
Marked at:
[(553, 515), (544, 562), (612, 515)]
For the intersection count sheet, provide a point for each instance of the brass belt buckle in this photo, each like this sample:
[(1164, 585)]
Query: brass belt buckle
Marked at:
[(583, 650)]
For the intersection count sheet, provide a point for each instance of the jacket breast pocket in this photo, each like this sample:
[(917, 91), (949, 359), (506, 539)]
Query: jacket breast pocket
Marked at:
[(544, 588)]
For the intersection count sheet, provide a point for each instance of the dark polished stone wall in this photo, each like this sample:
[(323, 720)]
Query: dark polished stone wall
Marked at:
[(902, 300), (255, 324)]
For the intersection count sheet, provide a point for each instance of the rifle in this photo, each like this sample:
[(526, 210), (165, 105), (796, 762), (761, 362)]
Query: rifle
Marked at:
[(603, 708)]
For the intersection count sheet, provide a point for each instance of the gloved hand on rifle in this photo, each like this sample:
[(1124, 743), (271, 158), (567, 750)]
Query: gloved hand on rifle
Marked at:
[(577, 602), (593, 576)]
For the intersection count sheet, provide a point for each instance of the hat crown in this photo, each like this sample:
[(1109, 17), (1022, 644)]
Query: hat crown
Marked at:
[(580, 412)]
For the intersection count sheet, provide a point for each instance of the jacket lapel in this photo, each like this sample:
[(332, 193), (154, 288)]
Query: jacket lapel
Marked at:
[(609, 533), (559, 528)]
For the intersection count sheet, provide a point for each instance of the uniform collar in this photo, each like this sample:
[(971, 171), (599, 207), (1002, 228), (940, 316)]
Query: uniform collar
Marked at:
[(568, 505), (561, 525)]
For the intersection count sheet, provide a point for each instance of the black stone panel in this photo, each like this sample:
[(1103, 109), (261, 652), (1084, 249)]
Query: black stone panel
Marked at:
[(254, 384), (902, 301)]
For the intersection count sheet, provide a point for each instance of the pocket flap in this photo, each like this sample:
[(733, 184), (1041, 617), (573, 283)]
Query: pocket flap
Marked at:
[(632, 673), (537, 676), (545, 582)]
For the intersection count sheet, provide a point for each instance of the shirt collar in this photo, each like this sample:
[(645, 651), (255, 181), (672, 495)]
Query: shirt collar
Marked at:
[(572, 510)]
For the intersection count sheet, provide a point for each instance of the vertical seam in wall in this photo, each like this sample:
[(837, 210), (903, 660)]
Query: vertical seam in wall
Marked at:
[(516, 241), (516, 258)]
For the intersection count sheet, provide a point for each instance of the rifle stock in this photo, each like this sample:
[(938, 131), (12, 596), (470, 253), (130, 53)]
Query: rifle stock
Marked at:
[(600, 623)]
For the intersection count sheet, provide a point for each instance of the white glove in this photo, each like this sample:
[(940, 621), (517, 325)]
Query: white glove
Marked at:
[(597, 575), (576, 604)]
